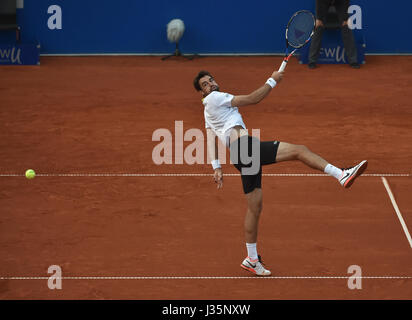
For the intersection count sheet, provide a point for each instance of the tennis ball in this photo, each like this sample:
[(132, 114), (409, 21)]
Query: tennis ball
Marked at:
[(30, 174)]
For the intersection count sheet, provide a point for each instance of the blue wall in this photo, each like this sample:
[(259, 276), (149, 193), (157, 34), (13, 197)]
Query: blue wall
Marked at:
[(225, 26)]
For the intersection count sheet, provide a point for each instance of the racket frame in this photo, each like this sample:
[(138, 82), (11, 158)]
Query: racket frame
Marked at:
[(287, 56)]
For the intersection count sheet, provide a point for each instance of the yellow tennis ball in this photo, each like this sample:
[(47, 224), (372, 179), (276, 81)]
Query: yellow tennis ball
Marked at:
[(30, 174)]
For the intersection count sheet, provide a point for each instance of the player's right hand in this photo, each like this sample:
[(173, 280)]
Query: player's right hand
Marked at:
[(218, 176), (277, 76)]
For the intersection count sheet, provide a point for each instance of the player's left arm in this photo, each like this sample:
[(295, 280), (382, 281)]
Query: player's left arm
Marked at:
[(257, 95)]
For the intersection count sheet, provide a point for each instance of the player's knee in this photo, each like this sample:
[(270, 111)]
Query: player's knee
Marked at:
[(259, 207), (256, 208), (299, 151), (304, 149)]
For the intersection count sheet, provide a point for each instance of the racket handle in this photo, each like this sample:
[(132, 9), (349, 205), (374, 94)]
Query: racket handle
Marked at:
[(283, 66)]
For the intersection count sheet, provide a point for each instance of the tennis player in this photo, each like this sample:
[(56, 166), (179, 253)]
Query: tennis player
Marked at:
[(223, 120)]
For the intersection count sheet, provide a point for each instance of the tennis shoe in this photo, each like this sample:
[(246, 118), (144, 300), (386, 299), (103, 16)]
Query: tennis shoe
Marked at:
[(255, 266), (350, 174)]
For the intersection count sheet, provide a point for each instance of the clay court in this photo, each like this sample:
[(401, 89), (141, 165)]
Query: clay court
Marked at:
[(99, 207)]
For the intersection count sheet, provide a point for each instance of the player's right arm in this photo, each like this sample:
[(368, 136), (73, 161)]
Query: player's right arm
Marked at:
[(212, 150), (257, 95)]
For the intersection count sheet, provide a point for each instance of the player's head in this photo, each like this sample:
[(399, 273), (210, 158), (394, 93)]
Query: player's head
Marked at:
[(205, 83)]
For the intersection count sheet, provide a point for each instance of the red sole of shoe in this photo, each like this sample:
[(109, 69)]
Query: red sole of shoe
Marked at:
[(253, 271), (358, 173), (248, 269)]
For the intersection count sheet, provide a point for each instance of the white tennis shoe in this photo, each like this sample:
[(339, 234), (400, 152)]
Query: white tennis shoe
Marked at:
[(255, 266), (350, 174)]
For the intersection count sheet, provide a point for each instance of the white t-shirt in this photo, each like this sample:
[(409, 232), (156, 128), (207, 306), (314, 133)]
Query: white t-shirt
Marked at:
[(220, 116)]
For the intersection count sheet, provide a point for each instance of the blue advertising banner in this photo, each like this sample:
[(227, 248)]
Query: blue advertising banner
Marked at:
[(19, 54), (212, 27)]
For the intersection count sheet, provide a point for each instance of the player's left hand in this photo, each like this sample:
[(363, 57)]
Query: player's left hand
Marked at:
[(218, 176)]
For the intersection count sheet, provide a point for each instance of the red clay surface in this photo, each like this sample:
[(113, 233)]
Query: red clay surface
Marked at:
[(97, 115)]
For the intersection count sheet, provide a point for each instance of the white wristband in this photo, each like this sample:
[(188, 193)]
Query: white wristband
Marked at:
[(271, 82), (216, 164)]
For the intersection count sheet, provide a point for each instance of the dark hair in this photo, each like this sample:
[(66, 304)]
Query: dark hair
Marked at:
[(200, 75)]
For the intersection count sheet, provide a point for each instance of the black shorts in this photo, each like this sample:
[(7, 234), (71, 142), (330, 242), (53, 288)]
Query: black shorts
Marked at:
[(250, 161)]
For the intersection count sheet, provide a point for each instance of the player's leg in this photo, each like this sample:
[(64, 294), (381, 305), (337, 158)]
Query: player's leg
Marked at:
[(254, 209), (252, 185), (290, 152), (253, 262)]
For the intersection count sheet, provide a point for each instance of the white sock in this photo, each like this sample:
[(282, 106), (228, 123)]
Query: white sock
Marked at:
[(251, 251), (333, 171)]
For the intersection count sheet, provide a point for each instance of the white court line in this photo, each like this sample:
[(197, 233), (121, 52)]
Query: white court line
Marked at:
[(192, 175), (398, 212), (205, 278)]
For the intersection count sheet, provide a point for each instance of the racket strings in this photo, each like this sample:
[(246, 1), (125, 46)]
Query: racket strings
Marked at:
[(300, 29)]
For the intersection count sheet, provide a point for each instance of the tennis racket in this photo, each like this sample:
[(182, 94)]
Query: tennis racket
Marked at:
[(299, 31)]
